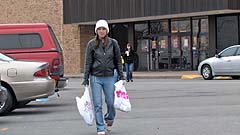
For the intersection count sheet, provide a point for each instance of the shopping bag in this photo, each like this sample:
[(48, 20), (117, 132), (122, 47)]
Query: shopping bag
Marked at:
[(121, 98), (85, 107)]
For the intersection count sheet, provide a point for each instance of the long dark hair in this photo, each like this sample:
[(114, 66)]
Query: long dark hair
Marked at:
[(97, 41)]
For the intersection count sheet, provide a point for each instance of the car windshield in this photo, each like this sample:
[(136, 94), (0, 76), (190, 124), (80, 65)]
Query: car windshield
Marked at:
[(5, 58)]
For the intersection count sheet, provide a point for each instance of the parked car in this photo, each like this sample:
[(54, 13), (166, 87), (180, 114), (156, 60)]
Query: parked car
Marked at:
[(23, 81), (34, 42), (226, 63)]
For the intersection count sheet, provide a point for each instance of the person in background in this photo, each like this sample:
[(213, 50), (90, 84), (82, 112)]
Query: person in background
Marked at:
[(102, 57), (129, 59)]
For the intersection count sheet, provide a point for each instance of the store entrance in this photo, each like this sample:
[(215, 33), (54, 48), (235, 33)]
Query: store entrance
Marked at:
[(171, 55), (163, 53), (181, 52)]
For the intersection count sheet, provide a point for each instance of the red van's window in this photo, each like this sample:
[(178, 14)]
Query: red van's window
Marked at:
[(20, 41)]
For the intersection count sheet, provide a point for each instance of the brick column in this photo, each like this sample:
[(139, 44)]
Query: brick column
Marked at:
[(86, 34)]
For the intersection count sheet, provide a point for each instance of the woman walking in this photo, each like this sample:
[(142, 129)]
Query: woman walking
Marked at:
[(129, 59), (102, 57)]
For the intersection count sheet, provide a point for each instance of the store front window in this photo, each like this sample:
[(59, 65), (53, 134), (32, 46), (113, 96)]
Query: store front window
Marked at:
[(142, 46), (181, 44), (176, 44), (227, 32), (200, 47), (180, 26), (159, 31), (159, 27)]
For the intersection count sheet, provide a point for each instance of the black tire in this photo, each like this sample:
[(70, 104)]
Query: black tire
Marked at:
[(6, 100), (206, 72), (235, 77)]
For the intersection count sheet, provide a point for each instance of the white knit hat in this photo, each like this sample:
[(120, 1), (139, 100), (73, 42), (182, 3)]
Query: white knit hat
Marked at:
[(101, 23)]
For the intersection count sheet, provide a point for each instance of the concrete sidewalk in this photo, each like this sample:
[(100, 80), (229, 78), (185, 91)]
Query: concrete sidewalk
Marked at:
[(156, 75)]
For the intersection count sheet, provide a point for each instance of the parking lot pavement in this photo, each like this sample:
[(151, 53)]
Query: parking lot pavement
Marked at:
[(155, 75), (162, 75)]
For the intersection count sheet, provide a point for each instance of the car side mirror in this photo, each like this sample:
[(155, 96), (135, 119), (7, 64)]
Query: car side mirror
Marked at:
[(217, 56)]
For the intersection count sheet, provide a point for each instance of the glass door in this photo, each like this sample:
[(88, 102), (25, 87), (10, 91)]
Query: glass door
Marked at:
[(163, 52), (175, 52), (180, 52), (186, 58)]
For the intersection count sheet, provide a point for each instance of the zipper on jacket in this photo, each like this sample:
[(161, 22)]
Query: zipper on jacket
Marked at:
[(104, 51)]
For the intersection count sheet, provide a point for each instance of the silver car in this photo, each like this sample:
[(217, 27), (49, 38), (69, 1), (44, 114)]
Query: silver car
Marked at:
[(226, 63), (22, 81)]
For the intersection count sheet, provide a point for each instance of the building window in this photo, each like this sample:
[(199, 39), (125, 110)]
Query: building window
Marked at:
[(200, 46), (159, 27), (227, 32), (200, 37), (141, 30), (180, 26), (142, 46)]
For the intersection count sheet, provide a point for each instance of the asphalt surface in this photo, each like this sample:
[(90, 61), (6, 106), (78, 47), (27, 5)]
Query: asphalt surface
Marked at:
[(156, 75), (159, 107)]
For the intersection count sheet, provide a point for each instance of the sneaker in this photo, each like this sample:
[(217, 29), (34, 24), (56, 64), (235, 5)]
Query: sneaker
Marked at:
[(131, 80), (109, 125), (101, 133)]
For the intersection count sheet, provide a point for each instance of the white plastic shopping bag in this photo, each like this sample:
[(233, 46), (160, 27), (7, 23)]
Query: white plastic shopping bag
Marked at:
[(121, 98), (85, 107)]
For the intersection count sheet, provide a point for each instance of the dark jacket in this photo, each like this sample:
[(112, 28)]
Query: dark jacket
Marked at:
[(130, 58), (102, 61)]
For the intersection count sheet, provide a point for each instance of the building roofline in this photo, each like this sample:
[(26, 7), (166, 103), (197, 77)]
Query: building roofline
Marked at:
[(172, 16)]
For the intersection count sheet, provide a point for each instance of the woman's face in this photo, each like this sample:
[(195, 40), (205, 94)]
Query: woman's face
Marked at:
[(102, 32)]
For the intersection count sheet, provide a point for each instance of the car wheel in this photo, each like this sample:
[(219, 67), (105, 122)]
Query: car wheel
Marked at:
[(6, 100), (207, 72)]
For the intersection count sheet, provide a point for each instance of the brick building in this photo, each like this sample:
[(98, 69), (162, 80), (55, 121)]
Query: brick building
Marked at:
[(166, 34), (183, 32)]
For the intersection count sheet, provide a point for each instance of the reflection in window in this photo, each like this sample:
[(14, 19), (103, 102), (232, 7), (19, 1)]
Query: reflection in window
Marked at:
[(200, 48), (159, 27), (238, 51), (141, 30), (228, 52), (175, 46), (142, 46), (200, 38), (180, 26), (227, 32)]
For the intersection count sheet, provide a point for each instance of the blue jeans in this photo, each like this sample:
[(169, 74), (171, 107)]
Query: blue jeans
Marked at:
[(105, 85), (115, 75), (129, 71)]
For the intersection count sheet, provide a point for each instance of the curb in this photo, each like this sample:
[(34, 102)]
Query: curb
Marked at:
[(184, 77), (193, 76), (151, 76)]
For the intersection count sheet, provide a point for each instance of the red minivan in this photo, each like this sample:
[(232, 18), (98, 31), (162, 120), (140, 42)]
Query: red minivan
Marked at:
[(35, 42)]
